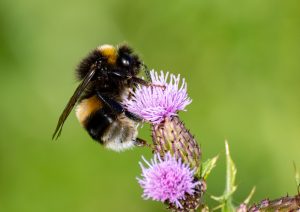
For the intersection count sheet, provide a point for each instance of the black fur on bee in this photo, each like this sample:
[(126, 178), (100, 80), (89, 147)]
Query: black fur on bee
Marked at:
[(107, 74)]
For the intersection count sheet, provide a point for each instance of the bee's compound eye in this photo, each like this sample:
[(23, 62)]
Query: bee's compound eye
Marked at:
[(125, 62)]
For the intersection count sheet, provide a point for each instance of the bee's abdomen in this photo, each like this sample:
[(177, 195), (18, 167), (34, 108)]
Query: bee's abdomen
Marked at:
[(87, 107), (94, 117), (97, 124)]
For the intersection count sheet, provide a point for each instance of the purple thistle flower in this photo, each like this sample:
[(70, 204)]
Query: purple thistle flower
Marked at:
[(161, 100), (167, 180), (172, 176)]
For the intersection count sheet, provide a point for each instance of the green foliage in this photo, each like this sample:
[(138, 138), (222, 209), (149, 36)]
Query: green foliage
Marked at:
[(207, 167), (249, 197), (225, 200), (230, 175)]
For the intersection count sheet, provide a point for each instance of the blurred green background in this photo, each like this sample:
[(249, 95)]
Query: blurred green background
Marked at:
[(241, 62)]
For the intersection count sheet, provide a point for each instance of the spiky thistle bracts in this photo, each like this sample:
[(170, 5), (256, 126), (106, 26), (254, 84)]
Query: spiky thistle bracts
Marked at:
[(172, 136), (287, 203)]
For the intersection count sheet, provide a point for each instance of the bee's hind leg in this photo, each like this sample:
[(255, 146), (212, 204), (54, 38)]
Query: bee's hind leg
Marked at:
[(133, 116), (141, 143)]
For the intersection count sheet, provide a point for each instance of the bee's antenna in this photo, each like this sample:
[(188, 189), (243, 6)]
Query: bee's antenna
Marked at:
[(147, 72)]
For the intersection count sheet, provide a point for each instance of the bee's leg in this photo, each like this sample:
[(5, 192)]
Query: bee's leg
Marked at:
[(133, 116), (147, 72), (140, 81), (112, 104), (134, 79), (117, 108), (141, 143), (119, 74), (146, 83)]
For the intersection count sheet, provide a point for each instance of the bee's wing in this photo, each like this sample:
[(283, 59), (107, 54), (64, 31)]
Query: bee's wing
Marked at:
[(73, 100)]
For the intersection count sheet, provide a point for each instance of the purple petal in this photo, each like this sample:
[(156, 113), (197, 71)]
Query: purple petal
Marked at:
[(155, 103)]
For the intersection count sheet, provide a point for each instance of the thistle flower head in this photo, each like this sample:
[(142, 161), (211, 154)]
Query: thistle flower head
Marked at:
[(163, 99), (172, 176), (167, 179)]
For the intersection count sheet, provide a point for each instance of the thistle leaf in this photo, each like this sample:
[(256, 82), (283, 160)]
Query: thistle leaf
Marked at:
[(230, 173), (247, 200), (208, 166), (226, 199), (297, 175)]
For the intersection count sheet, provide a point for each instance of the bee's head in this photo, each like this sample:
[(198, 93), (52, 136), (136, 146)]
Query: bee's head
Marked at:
[(128, 61), (121, 60)]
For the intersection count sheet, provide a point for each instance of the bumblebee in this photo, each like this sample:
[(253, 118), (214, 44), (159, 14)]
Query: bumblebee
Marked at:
[(107, 74)]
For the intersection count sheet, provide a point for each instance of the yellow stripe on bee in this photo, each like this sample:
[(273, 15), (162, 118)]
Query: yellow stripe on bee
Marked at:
[(109, 52), (86, 107)]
